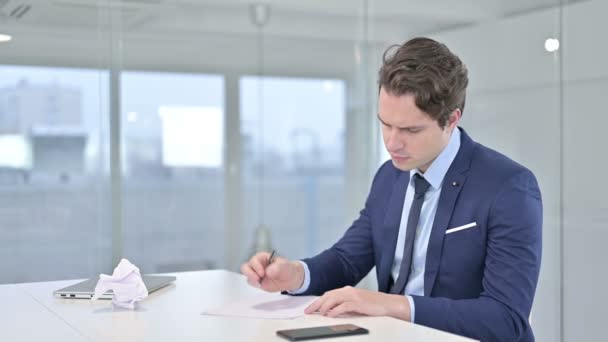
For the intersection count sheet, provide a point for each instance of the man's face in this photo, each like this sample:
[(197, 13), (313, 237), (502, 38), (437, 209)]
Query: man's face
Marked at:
[(411, 136)]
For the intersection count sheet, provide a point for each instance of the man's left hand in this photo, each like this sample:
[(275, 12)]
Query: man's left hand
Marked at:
[(365, 302)]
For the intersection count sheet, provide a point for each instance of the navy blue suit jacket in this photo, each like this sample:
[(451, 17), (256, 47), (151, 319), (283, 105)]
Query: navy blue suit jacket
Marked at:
[(479, 282)]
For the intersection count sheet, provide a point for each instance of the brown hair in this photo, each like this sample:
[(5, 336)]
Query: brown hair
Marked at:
[(428, 70)]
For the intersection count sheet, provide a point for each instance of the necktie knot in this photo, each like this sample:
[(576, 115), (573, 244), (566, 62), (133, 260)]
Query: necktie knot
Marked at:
[(420, 185)]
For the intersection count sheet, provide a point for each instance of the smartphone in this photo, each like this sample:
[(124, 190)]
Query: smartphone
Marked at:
[(322, 332)]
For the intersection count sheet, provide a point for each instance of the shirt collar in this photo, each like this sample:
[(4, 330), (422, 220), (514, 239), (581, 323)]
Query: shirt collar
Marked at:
[(439, 167)]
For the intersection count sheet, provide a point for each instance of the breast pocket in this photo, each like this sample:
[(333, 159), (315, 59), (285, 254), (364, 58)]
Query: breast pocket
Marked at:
[(467, 235), (461, 228), (463, 248)]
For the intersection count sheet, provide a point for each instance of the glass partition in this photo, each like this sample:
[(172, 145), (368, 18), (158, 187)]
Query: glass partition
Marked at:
[(186, 135)]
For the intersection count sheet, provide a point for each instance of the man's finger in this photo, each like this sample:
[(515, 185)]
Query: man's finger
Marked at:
[(332, 301), (253, 283), (270, 285), (252, 276), (257, 266), (343, 308), (312, 308)]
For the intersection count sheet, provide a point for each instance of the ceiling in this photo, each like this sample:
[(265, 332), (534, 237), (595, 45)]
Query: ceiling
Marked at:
[(313, 19)]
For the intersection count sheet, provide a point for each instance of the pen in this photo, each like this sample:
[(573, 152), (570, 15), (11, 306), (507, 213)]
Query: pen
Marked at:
[(270, 259)]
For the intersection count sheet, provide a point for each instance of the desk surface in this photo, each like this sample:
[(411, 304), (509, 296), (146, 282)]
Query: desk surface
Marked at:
[(22, 318), (172, 314)]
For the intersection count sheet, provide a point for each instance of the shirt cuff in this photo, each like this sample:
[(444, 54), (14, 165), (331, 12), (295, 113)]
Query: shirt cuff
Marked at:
[(412, 308), (305, 283)]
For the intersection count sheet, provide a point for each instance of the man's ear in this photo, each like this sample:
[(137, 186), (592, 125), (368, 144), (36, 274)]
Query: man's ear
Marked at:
[(454, 119)]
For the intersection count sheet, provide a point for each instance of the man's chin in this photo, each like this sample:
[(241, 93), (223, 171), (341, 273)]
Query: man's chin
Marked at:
[(403, 165)]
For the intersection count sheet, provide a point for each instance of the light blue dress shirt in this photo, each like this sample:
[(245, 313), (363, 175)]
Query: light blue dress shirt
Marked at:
[(434, 175)]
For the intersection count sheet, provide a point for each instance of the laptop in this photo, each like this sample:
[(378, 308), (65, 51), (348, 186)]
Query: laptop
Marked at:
[(86, 289)]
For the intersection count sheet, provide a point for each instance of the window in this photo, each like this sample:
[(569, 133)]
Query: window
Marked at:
[(293, 162), (52, 213), (173, 185)]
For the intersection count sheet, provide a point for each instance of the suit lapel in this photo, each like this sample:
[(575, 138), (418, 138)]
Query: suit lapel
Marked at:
[(445, 208), (453, 183), (392, 220)]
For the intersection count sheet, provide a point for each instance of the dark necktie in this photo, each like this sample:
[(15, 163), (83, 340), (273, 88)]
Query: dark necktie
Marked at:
[(420, 186)]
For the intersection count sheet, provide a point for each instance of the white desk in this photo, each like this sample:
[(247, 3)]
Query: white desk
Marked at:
[(172, 314), (24, 319)]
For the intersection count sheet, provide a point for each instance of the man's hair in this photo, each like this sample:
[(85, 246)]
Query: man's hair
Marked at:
[(428, 70)]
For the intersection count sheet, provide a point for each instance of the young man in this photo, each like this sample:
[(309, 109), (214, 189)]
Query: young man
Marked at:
[(452, 227)]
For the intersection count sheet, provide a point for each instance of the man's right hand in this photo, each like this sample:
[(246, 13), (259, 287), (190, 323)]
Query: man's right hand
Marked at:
[(280, 275)]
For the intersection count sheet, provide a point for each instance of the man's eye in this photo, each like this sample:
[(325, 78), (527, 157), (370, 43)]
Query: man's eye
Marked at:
[(413, 130), (409, 130)]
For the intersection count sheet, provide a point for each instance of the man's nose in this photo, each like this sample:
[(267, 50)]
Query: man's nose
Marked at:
[(394, 143)]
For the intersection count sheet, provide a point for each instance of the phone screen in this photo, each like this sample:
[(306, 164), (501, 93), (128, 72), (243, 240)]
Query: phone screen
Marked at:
[(322, 332)]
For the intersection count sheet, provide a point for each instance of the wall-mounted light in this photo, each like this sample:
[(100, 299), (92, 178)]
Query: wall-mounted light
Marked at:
[(551, 44), (5, 38)]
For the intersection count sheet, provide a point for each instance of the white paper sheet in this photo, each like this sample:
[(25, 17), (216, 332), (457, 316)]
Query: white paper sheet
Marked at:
[(265, 305)]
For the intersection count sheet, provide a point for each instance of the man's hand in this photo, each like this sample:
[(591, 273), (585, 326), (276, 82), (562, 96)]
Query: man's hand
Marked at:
[(352, 300), (280, 275)]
